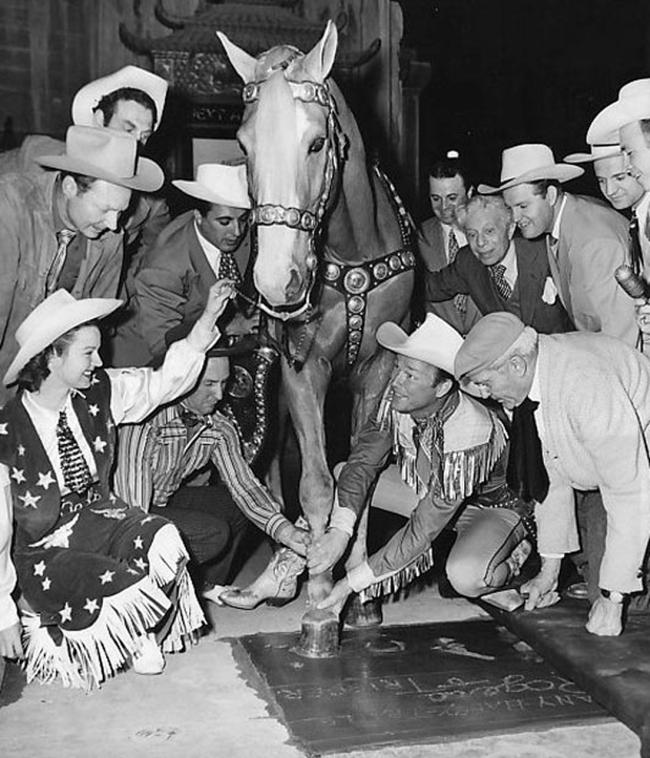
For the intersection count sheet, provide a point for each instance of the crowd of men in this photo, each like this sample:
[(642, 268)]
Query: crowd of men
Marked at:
[(518, 410)]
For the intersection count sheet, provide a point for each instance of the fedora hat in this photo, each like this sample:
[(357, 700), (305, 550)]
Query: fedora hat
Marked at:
[(89, 95), (530, 163), (106, 154), (434, 342), (218, 184), (52, 318), (633, 104), (597, 153)]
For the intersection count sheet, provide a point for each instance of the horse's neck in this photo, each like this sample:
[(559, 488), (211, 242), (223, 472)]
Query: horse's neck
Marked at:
[(354, 231)]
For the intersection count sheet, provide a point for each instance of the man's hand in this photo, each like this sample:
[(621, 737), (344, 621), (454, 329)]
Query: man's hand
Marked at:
[(605, 618), (219, 294), (337, 597), (296, 539), (240, 325), (324, 553), (11, 645), (541, 590)]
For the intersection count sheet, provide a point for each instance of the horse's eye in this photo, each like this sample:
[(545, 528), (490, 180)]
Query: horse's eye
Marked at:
[(317, 145)]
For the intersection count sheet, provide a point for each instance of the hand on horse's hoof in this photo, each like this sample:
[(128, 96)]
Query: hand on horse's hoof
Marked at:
[(334, 601), (295, 538), (324, 553)]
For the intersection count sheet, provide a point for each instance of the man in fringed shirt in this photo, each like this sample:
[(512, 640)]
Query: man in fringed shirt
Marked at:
[(451, 456)]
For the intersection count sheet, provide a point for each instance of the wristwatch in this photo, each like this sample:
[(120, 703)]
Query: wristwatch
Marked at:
[(613, 595)]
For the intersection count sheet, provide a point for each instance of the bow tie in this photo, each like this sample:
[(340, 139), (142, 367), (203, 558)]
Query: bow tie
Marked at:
[(191, 419)]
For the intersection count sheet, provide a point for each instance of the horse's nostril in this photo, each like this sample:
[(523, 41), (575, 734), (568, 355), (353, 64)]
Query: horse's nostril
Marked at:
[(294, 284)]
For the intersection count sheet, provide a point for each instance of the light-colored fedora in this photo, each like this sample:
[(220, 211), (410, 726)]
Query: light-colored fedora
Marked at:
[(106, 154), (133, 77), (51, 319), (633, 104), (598, 152), (530, 163), (218, 184), (434, 342)]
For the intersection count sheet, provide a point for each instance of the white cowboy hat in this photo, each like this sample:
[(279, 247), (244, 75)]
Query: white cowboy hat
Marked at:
[(633, 104), (530, 163), (598, 152), (90, 94), (218, 184), (55, 316), (434, 342), (106, 154)]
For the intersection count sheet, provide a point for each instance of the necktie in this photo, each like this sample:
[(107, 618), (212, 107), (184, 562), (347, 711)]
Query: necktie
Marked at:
[(460, 301), (498, 274), (63, 239), (526, 472), (76, 474), (228, 268), (636, 254)]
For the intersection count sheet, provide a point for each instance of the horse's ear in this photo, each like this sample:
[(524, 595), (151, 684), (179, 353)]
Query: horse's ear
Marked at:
[(320, 59), (243, 63)]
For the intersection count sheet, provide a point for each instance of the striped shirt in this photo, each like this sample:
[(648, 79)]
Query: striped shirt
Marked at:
[(166, 452)]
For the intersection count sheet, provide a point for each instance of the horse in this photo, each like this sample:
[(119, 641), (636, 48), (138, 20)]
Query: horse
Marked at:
[(334, 256)]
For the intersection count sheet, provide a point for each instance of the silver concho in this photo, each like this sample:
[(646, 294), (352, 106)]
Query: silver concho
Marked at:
[(356, 281), (356, 304), (241, 383), (395, 263), (355, 322), (332, 272), (380, 270)]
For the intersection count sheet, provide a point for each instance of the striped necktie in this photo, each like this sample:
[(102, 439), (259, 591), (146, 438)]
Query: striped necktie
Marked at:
[(76, 474), (63, 238), (460, 301)]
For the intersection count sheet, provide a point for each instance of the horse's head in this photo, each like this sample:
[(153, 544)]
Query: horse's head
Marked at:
[(291, 138)]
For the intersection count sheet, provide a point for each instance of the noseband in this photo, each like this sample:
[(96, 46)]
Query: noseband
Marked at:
[(303, 219)]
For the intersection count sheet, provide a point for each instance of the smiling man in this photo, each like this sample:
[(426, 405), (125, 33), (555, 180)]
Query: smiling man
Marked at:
[(59, 227), (193, 251), (451, 453), (592, 408), (586, 241), (498, 270)]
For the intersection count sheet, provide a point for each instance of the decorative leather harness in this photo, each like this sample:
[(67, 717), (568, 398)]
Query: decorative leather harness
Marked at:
[(354, 282)]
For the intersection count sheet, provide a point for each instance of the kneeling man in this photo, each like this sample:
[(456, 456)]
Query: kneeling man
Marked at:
[(593, 412), (451, 453)]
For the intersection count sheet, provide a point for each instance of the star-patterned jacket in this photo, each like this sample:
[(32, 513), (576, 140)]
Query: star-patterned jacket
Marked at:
[(35, 490)]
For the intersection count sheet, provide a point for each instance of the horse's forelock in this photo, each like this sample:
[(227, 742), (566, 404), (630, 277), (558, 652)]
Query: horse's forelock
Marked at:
[(275, 141)]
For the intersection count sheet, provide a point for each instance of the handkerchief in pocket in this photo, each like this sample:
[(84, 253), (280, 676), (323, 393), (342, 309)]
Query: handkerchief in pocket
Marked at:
[(549, 296)]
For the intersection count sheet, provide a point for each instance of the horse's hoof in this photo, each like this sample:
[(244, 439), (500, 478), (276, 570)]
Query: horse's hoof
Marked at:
[(319, 636), (360, 615)]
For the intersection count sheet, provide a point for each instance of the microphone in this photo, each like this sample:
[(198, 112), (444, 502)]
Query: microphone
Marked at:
[(630, 282)]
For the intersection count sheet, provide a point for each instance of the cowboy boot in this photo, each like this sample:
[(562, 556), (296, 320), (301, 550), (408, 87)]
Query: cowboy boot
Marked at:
[(277, 584)]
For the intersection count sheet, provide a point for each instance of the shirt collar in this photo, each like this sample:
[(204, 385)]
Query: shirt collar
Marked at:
[(556, 226), (212, 251), (642, 207)]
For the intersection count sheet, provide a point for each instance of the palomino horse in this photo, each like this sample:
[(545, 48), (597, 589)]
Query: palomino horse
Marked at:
[(334, 258)]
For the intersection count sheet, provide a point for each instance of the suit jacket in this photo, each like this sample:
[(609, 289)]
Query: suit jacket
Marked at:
[(170, 289), (468, 275), (29, 246), (432, 257), (595, 431), (593, 242)]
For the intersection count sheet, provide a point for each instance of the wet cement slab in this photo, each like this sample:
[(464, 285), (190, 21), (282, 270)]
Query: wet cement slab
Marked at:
[(421, 683)]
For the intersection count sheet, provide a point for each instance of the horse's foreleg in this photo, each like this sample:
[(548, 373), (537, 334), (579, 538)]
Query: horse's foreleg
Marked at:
[(305, 392), (273, 478)]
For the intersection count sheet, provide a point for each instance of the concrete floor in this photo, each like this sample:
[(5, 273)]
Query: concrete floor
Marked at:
[(202, 705)]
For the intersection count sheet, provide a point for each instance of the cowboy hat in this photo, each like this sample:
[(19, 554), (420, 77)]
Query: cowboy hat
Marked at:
[(218, 184), (133, 77), (598, 152), (633, 104), (434, 342), (530, 163), (51, 319), (106, 154)]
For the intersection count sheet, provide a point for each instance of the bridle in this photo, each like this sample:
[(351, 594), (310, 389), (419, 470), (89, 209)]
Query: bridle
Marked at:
[(302, 219)]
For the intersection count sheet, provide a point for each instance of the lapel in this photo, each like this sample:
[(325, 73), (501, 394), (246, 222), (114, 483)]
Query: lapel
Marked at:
[(206, 276), (532, 268)]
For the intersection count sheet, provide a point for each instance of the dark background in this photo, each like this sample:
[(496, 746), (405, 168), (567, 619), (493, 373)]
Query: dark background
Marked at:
[(506, 72)]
